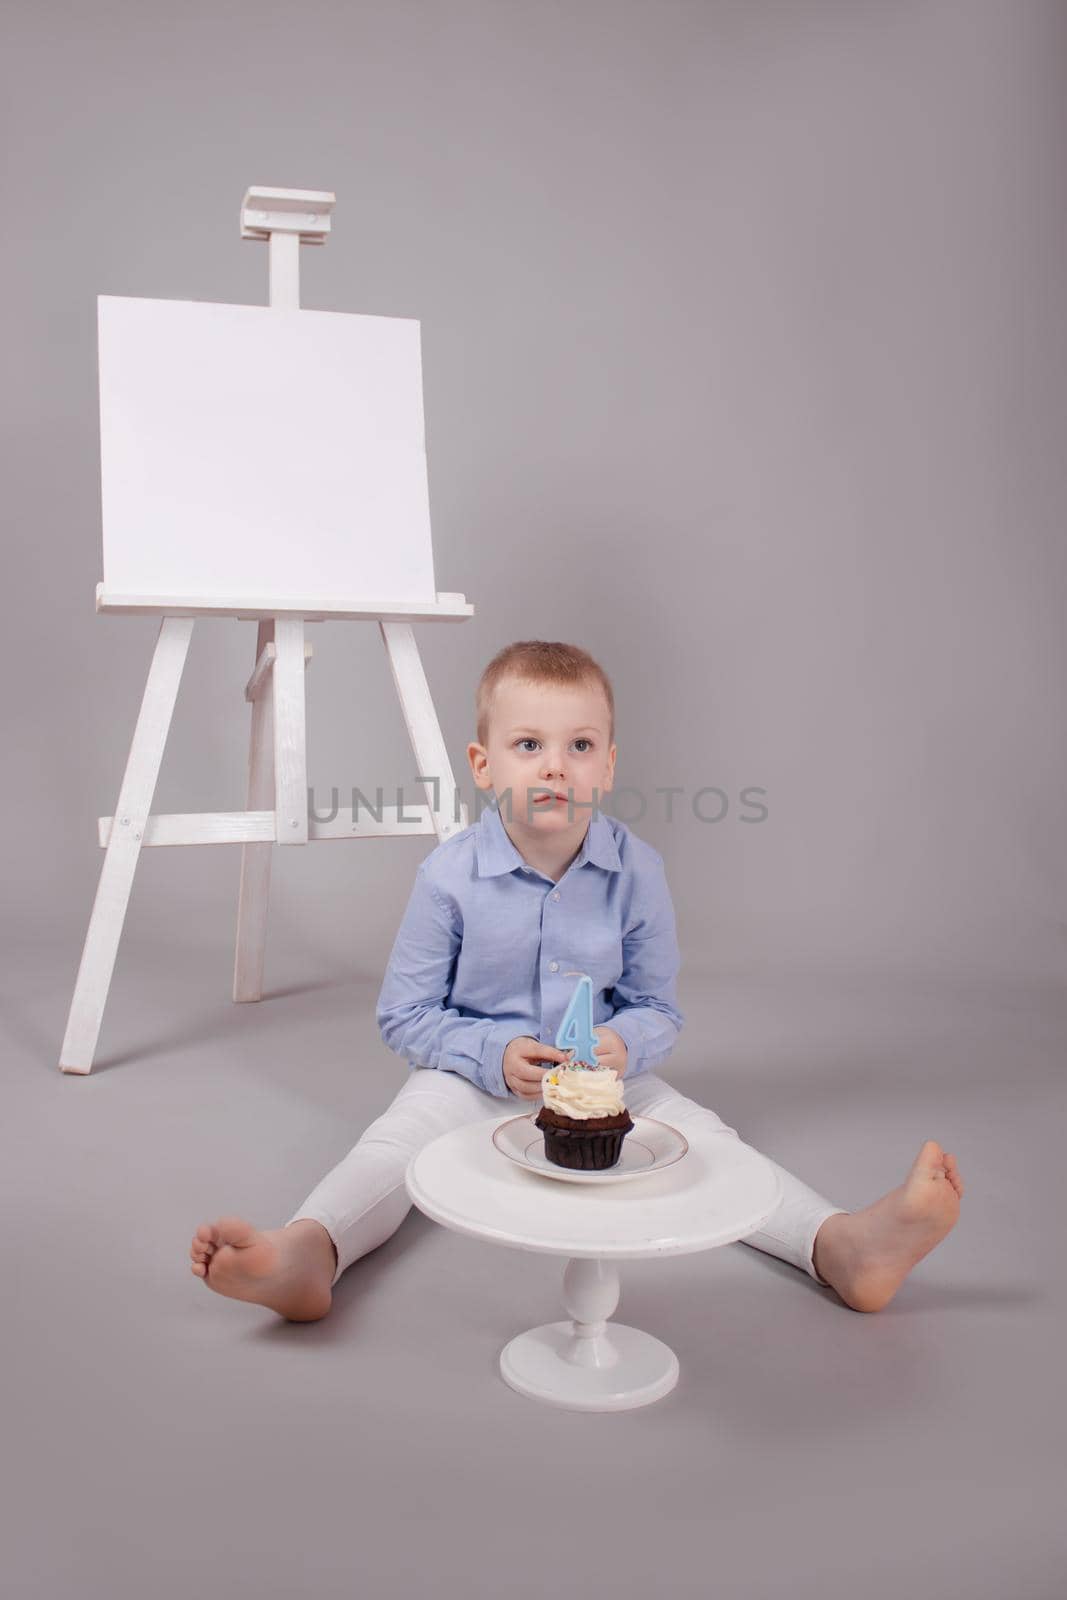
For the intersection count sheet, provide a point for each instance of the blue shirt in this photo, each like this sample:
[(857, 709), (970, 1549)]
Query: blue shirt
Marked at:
[(488, 946)]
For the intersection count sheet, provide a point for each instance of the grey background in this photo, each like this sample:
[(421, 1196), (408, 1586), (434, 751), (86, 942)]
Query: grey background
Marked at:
[(743, 341)]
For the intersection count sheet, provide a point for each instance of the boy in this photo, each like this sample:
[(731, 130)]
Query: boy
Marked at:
[(482, 968)]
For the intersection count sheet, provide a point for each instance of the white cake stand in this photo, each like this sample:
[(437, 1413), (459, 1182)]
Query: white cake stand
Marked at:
[(720, 1191)]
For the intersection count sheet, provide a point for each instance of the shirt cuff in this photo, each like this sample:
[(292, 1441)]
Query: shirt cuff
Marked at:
[(628, 1027), (493, 1046)]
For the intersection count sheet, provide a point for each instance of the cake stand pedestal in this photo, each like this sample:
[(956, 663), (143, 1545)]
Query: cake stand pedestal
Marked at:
[(720, 1191), (589, 1363)]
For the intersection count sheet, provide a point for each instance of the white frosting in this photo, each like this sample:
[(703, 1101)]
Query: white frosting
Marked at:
[(581, 1092)]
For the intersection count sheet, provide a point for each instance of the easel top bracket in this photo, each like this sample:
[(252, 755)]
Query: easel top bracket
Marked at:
[(304, 212)]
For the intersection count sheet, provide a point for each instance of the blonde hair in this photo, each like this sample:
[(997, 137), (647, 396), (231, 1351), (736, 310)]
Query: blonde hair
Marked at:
[(541, 662)]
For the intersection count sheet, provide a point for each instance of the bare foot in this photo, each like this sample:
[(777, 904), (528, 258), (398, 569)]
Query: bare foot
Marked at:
[(866, 1255), (289, 1269)]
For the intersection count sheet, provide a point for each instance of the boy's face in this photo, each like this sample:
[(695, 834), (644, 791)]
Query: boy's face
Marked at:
[(546, 738)]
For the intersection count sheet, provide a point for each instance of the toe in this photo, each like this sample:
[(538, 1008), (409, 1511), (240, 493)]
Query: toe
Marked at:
[(199, 1269), (235, 1231), (207, 1233), (930, 1160), (952, 1172)]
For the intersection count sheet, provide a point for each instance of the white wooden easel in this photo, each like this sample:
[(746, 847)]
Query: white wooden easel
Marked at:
[(277, 803)]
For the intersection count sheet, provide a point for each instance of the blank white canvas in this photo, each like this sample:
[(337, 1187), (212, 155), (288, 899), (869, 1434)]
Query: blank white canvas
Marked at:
[(262, 453)]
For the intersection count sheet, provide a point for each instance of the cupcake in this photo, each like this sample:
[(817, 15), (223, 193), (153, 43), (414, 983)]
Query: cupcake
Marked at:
[(583, 1118)]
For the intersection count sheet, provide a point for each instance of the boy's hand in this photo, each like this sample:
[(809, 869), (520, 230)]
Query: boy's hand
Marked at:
[(525, 1062), (611, 1050)]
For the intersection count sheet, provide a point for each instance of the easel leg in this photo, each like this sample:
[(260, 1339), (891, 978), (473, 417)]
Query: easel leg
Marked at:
[(124, 845), (254, 895), (290, 751), (423, 727)]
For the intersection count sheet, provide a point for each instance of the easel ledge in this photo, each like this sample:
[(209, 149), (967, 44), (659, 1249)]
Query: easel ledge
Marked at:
[(446, 608)]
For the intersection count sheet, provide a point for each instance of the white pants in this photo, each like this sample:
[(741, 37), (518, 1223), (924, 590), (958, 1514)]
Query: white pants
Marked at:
[(363, 1200)]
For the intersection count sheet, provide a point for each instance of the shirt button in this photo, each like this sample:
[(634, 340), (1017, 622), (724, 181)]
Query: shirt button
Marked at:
[(556, 895), (553, 966)]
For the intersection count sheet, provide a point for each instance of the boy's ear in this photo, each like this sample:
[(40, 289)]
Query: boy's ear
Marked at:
[(478, 758)]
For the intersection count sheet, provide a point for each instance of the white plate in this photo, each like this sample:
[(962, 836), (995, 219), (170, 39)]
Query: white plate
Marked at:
[(648, 1147)]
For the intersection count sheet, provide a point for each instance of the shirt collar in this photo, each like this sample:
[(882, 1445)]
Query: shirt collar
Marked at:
[(497, 854)]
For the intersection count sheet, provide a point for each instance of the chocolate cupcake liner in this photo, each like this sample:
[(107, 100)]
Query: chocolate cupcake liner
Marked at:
[(580, 1150)]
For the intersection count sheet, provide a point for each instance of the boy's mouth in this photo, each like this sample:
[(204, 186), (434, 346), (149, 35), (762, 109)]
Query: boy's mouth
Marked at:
[(550, 799)]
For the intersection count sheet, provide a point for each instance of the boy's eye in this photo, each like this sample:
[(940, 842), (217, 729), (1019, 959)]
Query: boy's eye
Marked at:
[(535, 741)]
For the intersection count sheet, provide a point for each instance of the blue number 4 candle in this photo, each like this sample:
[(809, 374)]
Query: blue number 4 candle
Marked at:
[(576, 1029)]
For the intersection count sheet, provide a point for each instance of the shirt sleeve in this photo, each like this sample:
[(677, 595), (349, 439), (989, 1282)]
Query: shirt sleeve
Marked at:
[(648, 1019), (411, 1012)]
